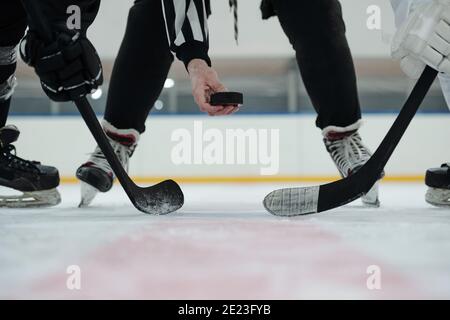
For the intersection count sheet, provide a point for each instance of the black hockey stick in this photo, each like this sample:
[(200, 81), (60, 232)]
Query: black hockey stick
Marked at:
[(309, 200), (162, 198)]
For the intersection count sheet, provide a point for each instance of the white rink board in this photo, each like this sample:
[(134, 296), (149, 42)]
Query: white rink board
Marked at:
[(65, 142)]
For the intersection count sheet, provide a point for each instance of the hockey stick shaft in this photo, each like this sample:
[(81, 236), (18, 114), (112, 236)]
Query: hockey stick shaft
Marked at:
[(313, 199), (405, 117), (83, 105), (371, 171)]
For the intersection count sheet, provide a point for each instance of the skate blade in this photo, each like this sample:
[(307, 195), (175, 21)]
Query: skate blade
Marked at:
[(438, 197), (88, 194), (371, 199), (35, 199)]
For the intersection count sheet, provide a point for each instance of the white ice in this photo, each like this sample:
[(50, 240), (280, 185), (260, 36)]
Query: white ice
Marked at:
[(223, 245)]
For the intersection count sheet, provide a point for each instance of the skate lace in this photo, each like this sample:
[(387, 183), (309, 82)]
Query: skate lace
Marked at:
[(123, 154), (8, 153), (348, 153)]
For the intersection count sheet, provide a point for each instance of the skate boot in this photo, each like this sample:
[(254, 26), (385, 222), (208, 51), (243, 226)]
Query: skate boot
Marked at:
[(36, 182), (438, 182), (96, 174), (349, 154)]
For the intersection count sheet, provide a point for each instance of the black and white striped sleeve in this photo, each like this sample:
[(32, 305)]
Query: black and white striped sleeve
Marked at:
[(187, 29)]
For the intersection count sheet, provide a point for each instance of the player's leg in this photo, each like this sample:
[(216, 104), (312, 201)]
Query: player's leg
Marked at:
[(438, 179), (37, 182), (12, 28), (316, 31), (138, 77)]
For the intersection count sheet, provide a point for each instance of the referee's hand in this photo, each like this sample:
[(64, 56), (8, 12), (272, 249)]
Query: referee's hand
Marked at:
[(205, 82)]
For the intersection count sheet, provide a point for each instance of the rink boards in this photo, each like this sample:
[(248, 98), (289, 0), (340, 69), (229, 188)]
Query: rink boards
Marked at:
[(289, 147)]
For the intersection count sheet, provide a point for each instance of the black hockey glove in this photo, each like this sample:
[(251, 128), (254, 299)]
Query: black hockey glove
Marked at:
[(69, 68)]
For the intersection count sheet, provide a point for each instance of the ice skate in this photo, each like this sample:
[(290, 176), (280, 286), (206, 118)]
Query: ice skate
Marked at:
[(96, 174), (36, 183), (438, 182), (349, 154)]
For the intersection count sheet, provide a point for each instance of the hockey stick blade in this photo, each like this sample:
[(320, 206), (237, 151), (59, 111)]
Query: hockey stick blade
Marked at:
[(159, 199), (290, 202), (162, 198)]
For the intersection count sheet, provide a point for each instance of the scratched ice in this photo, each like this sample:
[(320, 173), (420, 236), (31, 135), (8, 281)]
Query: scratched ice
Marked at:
[(223, 245)]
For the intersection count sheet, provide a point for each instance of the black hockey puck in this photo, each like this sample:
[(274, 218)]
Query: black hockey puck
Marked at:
[(226, 99), (438, 177)]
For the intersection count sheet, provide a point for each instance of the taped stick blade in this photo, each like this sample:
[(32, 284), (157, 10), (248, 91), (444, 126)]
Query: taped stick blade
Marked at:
[(292, 202)]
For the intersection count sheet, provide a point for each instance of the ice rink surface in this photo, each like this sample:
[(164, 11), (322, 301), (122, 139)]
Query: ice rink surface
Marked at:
[(223, 245)]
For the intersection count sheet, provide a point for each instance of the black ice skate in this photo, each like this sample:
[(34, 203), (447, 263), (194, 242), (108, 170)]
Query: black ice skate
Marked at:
[(36, 182), (438, 182), (96, 174), (349, 154)]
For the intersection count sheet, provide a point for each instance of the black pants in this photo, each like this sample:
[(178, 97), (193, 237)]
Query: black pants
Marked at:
[(314, 27), (141, 67), (316, 31), (13, 23)]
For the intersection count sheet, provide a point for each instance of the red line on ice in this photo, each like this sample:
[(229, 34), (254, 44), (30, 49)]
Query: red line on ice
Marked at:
[(228, 259)]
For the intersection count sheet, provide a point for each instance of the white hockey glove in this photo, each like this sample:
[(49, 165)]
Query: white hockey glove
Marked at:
[(424, 39)]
